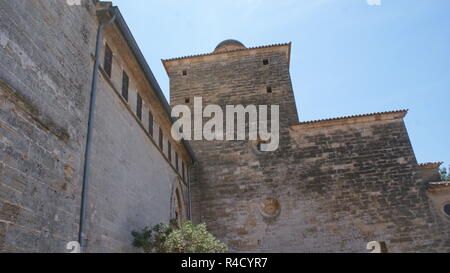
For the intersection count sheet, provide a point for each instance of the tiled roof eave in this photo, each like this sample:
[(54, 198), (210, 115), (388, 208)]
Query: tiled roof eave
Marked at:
[(224, 52), (430, 164), (402, 112)]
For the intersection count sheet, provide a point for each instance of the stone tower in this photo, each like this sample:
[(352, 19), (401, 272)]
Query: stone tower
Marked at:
[(231, 173), (234, 74), (332, 186)]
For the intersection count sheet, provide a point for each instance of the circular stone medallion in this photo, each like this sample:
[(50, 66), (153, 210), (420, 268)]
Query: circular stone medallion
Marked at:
[(270, 208)]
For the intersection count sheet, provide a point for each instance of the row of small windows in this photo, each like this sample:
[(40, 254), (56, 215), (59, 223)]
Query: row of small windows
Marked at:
[(269, 90), (107, 67), (265, 62)]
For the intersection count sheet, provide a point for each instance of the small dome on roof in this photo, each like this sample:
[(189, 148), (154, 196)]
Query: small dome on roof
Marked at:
[(228, 45)]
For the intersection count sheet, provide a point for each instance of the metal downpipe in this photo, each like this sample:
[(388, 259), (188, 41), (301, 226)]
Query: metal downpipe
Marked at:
[(87, 154)]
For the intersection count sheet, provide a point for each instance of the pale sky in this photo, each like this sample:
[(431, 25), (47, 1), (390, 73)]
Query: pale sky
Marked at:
[(348, 57)]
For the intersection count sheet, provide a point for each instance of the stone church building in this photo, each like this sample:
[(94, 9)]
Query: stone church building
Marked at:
[(332, 186)]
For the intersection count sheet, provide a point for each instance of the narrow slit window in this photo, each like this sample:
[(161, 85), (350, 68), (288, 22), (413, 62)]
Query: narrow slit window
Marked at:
[(139, 107), (107, 65), (150, 124), (161, 139), (125, 85), (169, 151), (176, 162)]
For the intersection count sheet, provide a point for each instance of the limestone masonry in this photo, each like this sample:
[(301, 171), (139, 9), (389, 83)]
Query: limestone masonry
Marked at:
[(332, 186)]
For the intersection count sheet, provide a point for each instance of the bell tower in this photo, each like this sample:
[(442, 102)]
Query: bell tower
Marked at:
[(232, 175), (234, 74)]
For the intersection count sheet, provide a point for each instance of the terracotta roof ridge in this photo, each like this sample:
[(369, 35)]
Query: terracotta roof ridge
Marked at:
[(430, 164), (405, 111), (222, 52)]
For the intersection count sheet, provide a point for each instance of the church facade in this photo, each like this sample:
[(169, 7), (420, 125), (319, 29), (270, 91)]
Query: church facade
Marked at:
[(332, 185)]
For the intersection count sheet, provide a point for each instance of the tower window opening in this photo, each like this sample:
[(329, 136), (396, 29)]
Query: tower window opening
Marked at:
[(184, 72), (266, 62), (269, 89), (187, 100)]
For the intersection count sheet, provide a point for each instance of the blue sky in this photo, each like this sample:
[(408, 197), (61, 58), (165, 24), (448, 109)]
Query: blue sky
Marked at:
[(347, 57)]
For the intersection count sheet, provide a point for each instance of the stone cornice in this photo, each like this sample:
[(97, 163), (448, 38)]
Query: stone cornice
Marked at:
[(436, 186)]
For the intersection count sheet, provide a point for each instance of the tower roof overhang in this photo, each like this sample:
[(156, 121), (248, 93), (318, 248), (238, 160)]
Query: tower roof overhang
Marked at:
[(284, 46)]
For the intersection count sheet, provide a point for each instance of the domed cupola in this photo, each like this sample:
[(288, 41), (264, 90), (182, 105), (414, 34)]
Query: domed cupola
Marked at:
[(229, 45)]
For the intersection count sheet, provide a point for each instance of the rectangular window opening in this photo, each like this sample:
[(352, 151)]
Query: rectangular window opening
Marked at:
[(150, 124), (139, 107), (107, 65), (269, 89), (125, 85), (266, 62), (161, 139), (169, 150)]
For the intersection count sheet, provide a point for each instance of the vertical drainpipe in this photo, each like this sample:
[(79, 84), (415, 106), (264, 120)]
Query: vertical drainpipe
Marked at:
[(87, 153)]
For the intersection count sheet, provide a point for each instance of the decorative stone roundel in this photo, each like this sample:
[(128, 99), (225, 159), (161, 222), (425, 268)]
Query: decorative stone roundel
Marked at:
[(447, 209), (270, 208)]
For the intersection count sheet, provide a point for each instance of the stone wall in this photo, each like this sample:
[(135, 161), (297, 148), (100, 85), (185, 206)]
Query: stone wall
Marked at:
[(45, 74), (429, 172), (46, 62), (356, 181), (331, 187), (133, 182), (230, 79)]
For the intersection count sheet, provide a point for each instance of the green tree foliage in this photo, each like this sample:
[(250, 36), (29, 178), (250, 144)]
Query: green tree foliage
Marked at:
[(185, 238), (445, 175), (151, 240)]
